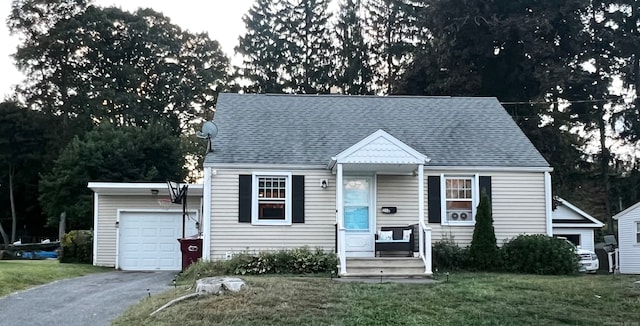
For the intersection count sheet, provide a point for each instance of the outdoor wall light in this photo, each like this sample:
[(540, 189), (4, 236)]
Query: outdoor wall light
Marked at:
[(154, 192), (324, 183)]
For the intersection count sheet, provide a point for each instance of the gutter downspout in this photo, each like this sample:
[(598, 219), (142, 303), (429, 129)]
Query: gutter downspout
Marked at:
[(206, 214), (548, 203)]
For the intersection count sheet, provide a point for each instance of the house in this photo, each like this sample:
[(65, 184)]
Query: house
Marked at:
[(629, 239), (328, 171), (574, 224)]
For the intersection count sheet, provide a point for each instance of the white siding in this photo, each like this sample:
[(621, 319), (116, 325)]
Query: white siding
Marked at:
[(518, 207), (108, 207), (586, 236), (397, 191), (518, 204), (564, 213), (627, 242), (228, 235)]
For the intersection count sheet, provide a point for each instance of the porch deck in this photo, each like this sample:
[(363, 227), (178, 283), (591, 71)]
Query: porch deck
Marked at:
[(397, 267)]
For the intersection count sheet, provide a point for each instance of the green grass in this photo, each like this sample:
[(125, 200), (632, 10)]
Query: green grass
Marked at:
[(18, 275), (466, 299)]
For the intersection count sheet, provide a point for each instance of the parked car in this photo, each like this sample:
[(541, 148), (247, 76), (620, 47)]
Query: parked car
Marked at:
[(588, 259)]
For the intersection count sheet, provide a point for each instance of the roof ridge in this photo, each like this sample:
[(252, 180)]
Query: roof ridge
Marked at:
[(367, 96)]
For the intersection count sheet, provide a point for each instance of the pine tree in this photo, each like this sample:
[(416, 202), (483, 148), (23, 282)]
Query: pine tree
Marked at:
[(484, 253), (353, 72), (262, 48), (390, 26), (308, 51)]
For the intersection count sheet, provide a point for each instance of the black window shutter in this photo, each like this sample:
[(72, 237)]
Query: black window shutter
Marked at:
[(297, 199), (433, 199), (244, 208), (485, 185)]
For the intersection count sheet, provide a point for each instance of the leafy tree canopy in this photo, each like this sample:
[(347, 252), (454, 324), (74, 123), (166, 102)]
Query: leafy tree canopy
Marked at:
[(108, 153), (24, 135), (96, 64)]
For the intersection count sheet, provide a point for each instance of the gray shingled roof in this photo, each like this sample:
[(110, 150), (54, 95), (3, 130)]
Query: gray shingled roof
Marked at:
[(310, 129)]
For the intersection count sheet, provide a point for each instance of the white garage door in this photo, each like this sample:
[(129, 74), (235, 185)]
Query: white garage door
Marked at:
[(148, 240)]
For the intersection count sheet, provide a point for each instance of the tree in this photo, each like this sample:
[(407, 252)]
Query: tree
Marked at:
[(308, 50), (95, 64), (392, 31), (109, 154), (261, 48), (483, 252), (353, 73), (23, 152)]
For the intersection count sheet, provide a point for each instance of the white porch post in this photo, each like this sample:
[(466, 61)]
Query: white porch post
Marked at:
[(425, 232), (421, 207), (340, 221)]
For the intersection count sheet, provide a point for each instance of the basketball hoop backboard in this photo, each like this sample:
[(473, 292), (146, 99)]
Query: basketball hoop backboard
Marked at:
[(176, 192)]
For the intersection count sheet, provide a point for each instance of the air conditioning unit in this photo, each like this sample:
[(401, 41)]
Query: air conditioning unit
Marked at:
[(459, 216), (466, 215)]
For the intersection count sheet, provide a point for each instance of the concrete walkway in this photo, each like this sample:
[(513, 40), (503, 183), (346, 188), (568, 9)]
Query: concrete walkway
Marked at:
[(94, 299)]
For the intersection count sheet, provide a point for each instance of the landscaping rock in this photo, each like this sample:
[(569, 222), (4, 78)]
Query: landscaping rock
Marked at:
[(217, 285), (208, 285)]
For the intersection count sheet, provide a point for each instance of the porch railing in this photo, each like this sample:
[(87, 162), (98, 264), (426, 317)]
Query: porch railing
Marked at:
[(425, 247)]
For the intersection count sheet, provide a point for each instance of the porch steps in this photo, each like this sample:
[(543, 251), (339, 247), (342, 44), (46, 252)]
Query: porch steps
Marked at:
[(388, 267)]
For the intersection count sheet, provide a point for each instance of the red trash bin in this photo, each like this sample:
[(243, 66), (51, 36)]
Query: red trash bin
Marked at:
[(191, 251)]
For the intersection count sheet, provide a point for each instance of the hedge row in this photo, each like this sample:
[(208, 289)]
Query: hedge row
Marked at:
[(531, 254), (295, 261)]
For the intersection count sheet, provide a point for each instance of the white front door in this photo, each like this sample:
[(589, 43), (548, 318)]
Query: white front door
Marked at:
[(359, 228)]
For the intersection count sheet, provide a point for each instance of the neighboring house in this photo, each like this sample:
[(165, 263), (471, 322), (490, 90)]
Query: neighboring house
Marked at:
[(629, 239), (328, 171), (574, 224), (136, 226)]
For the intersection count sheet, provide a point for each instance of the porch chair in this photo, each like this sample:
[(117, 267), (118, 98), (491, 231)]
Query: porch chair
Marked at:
[(395, 238)]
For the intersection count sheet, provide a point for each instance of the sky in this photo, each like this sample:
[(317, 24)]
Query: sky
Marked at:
[(222, 19)]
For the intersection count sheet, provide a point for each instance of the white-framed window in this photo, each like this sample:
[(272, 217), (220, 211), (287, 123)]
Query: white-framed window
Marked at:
[(637, 232), (460, 197), (272, 198)]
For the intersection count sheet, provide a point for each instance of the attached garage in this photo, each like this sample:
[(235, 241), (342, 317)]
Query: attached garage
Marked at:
[(148, 240), (136, 227)]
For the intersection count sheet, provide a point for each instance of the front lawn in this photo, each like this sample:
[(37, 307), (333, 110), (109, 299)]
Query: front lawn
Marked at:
[(18, 275), (467, 299)]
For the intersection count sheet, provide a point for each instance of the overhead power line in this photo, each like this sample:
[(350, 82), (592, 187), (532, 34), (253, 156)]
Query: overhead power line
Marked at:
[(613, 99)]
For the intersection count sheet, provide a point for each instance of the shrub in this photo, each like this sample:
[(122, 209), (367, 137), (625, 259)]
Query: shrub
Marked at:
[(540, 254), (484, 254), (447, 255), (295, 261), (77, 247)]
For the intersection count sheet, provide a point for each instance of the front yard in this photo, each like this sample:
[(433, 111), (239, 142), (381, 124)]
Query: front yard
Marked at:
[(466, 299), (16, 275)]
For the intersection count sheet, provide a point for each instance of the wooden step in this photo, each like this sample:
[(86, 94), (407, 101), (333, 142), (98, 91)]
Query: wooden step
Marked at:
[(397, 267)]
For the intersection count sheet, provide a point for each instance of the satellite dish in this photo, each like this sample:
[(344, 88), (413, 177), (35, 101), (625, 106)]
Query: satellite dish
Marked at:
[(209, 130)]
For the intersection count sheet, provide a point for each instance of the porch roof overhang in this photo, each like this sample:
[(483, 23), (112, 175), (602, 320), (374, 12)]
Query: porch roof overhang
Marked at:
[(379, 151)]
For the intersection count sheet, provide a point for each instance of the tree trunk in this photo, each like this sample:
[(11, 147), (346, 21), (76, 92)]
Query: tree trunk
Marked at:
[(604, 164), (14, 219), (5, 237)]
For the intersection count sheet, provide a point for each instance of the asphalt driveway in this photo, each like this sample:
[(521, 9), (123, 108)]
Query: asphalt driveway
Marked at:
[(94, 299)]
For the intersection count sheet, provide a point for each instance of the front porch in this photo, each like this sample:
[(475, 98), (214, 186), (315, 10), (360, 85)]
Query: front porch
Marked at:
[(376, 178)]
